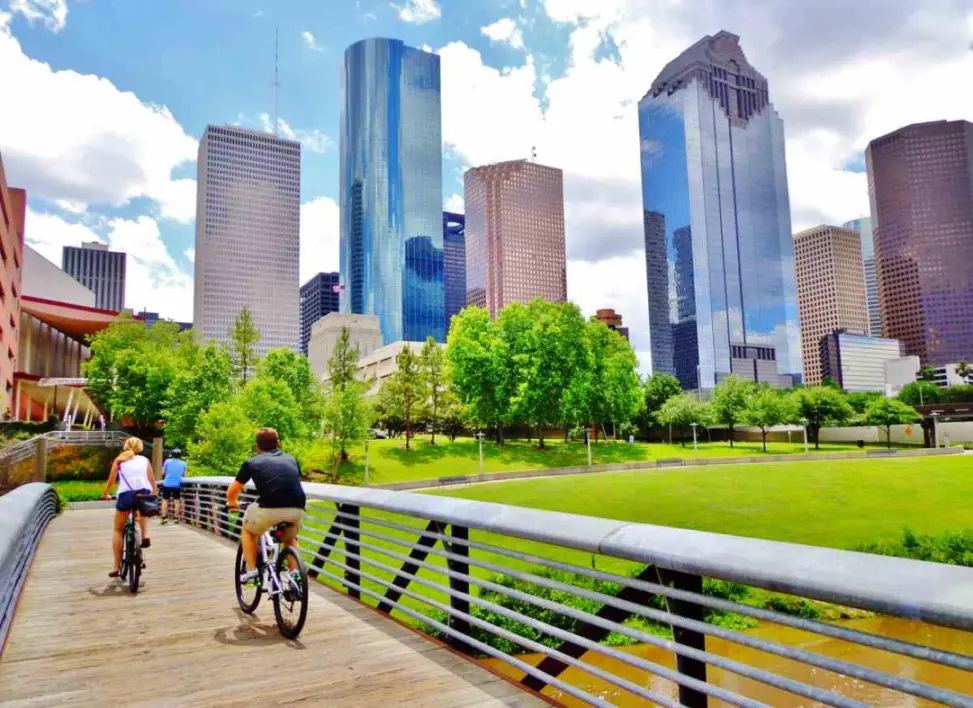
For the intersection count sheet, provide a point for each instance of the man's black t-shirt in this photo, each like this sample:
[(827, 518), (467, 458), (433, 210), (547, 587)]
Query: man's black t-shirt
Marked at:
[(277, 477)]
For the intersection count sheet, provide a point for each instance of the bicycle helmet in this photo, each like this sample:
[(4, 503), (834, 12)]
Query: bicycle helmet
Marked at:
[(177, 453)]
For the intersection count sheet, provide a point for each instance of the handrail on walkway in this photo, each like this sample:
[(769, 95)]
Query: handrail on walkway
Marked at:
[(414, 554), (24, 514)]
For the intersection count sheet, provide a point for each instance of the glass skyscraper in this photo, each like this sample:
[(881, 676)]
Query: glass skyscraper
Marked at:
[(863, 227), (719, 255), (391, 189), (454, 262)]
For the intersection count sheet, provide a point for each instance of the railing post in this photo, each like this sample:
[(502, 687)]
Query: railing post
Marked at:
[(689, 667), (40, 460), (351, 546), (459, 585), (157, 456)]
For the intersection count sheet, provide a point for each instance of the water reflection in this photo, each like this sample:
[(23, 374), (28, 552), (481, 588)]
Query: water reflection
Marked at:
[(905, 630)]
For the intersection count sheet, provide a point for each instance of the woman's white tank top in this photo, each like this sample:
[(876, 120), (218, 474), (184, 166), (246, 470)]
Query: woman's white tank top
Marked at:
[(133, 475)]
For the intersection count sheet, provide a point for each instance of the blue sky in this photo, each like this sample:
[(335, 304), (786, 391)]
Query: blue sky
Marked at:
[(110, 96)]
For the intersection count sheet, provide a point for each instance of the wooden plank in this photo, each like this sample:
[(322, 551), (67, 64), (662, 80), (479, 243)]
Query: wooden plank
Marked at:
[(80, 638)]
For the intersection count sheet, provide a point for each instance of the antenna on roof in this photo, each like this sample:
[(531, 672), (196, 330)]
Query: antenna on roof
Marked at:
[(276, 82)]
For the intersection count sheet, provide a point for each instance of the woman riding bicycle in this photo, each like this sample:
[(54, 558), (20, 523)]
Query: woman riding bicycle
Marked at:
[(135, 476)]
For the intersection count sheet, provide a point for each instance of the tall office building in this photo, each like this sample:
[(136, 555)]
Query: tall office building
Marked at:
[(248, 209), (858, 363), (612, 320), (100, 270), (863, 227), (920, 183), (514, 235), (319, 297), (718, 249), (454, 263), (391, 189), (830, 290), (13, 208)]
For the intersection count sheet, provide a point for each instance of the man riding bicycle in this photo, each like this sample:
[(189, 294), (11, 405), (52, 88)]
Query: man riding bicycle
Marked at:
[(280, 498)]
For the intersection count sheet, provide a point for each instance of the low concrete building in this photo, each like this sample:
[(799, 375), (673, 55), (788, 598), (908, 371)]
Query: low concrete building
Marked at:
[(364, 332), (856, 361), (43, 279), (380, 365), (899, 373)]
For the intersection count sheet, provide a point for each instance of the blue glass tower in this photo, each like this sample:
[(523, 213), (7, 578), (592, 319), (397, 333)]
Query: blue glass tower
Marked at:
[(454, 261), (391, 189), (719, 254)]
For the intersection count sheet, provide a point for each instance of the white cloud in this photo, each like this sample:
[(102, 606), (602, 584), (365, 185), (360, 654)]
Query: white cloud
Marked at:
[(77, 138), (504, 30), (313, 140), (311, 42), (319, 237), (177, 200), (190, 253), (418, 12), (48, 234), (53, 13), (71, 207), (455, 204), (153, 280)]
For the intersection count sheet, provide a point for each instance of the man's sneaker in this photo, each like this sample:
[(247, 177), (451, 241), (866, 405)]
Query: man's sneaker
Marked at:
[(165, 521), (251, 577)]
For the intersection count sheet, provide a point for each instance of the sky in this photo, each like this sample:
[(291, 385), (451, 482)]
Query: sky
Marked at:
[(103, 102)]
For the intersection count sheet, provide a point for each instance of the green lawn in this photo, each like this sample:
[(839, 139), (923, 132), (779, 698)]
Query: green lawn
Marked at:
[(80, 490), (389, 461)]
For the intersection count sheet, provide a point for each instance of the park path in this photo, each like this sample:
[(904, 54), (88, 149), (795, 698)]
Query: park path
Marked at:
[(79, 638)]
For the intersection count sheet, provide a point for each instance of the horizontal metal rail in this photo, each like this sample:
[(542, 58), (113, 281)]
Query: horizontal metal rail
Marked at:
[(24, 514), (490, 592), (24, 450)]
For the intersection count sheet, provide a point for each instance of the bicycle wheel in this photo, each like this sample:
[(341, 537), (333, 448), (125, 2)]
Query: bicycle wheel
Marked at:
[(247, 595), (135, 561), (290, 606), (126, 552)]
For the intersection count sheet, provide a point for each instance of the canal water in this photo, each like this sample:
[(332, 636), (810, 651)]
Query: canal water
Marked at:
[(916, 632)]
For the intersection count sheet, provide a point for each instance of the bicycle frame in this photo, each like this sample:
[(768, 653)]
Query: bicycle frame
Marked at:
[(267, 553)]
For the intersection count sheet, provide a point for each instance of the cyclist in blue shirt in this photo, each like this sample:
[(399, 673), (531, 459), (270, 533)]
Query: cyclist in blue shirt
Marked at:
[(173, 470)]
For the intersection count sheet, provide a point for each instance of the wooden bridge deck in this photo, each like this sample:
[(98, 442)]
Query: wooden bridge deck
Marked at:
[(79, 638)]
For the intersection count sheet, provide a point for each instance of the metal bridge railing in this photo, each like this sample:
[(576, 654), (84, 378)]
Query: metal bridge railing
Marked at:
[(27, 448), (24, 514), (560, 584)]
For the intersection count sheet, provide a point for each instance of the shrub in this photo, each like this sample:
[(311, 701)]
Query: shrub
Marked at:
[(68, 462), (950, 547)]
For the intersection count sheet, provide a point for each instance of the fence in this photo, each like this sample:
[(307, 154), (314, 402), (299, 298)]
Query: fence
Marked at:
[(24, 514), (494, 580)]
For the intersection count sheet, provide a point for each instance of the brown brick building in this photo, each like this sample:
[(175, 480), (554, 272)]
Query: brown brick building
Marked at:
[(13, 208)]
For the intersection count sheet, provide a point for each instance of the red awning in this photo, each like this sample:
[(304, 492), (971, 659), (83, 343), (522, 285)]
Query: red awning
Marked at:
[(75, 321)]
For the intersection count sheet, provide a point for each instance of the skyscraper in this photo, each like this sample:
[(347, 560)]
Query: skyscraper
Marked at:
[(612, 320), (454, 263), (863, 227), (830, 290), (248, 203), (514, 235), (920, 184), (100, 270), (319, 297), (391, 189), (719, 256)]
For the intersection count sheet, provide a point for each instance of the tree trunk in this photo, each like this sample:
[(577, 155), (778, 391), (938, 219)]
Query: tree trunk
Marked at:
[(595, 426), (888, 435), (763, 432), (432, 440), (816, 433), (408, 423), (540, 436), (567, 432), (730, 426)]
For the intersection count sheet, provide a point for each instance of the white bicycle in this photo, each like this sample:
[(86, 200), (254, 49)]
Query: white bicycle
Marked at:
[(286, 588)]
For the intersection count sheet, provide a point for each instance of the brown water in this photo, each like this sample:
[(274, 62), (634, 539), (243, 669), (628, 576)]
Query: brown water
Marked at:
[(916, 632)]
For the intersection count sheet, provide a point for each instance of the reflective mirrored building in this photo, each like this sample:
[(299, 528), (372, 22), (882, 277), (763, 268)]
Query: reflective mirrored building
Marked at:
[(391, 189), (719, 255)]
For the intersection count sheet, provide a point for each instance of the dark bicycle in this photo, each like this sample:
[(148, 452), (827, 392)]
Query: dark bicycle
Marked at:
[(132, 561), (286, 588)]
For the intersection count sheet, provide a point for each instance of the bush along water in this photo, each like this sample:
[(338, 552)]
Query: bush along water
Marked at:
[(951, 547)]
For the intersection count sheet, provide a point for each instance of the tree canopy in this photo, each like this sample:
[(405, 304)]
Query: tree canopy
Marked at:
[(243, 337), (886, 412), (730, 400), (821, 406)]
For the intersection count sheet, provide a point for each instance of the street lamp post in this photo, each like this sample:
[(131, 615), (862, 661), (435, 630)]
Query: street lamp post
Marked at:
[(695, 448), (479, 437), (935, 429), (587, 439), (804, 425)]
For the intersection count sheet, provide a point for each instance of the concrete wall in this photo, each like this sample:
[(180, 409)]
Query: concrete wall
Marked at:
[(45, 280), (906, 434)]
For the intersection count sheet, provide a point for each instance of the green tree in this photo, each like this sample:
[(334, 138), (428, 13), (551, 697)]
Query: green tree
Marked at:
[(478, 361), (554, 368), (659, 388), (767, 407), (920, 393), (408, 381), (682, 411), (432, 368), (243, 337), (389, 409), (131, 369), (294, 370), (964, 370), (859, 401), (886, 412), (730, 399), (957, 394), (203, 378), (829, 382), (224, 439), (452, 415), (615, 391), (269, 403), (927, 373), (821, 406), (347, 416), (343, 364)]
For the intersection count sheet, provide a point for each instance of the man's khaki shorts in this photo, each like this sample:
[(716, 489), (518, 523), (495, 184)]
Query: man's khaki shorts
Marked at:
[(257, 520)]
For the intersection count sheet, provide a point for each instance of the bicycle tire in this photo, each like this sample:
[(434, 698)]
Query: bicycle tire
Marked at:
[(135, 565), (239, 568), (126, 552), (290, 597)]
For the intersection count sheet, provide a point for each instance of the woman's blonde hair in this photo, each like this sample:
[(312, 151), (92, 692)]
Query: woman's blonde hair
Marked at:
[(132, 447)]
